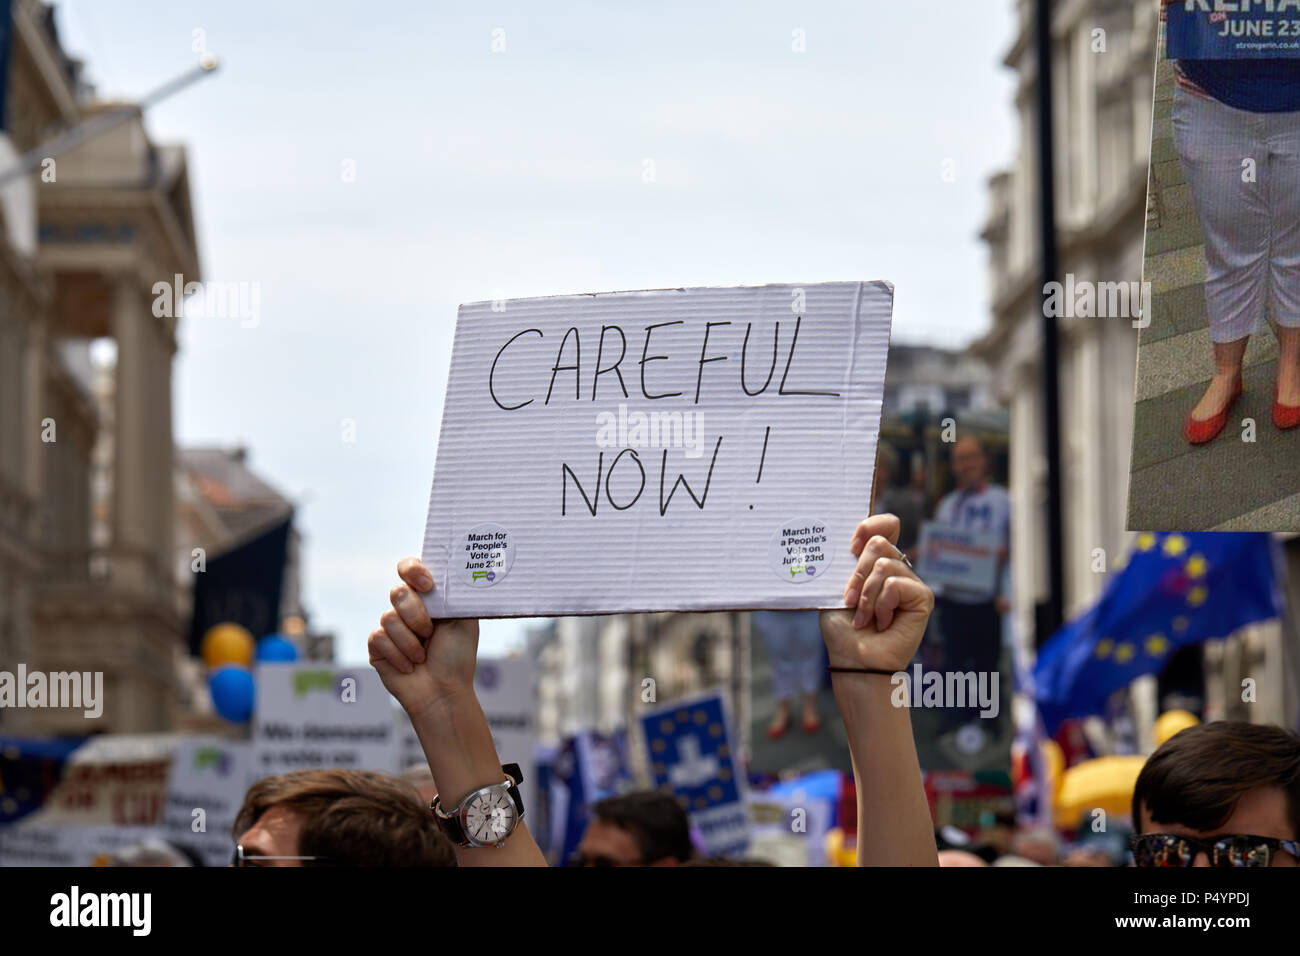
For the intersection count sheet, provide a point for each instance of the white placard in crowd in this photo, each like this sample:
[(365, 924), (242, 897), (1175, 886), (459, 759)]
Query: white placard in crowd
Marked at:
[(507, 691), (789, 830), (76, 844), (209, 777), (317, 716), (117, 779), (678, 449), (956, 559)]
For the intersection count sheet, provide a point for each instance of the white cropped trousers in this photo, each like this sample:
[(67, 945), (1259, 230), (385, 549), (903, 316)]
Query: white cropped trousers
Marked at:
[(1243, 170)]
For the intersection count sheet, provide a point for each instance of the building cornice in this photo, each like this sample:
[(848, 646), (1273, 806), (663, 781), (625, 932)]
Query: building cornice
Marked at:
[(45, 58)]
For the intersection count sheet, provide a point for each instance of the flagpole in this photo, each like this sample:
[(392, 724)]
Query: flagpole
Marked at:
[(1053, 612), (1287, 634), (103, 122)]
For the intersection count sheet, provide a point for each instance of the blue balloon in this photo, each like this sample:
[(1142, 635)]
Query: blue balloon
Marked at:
[(276, 649), (231, 687)]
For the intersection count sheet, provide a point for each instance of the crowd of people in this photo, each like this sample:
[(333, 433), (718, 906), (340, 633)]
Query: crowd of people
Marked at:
[(1218, 794)]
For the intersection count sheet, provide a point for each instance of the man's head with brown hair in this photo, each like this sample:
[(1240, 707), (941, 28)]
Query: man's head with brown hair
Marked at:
[(642, 828), (1224, 777), (969, 463), (342, 818)]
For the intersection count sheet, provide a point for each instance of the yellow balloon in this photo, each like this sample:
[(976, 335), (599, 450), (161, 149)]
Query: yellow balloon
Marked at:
[(838, 851), (1170, 722), (1104, 783), (1054, 759), (227, 644)]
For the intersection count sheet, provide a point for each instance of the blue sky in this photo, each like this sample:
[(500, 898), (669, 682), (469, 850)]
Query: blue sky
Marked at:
[(518, 173)]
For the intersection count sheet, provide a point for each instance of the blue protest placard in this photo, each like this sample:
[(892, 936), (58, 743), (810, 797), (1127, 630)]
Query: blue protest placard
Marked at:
[(690, 753), (1263, 29)]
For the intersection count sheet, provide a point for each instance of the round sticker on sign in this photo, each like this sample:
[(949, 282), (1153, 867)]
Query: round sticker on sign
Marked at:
[(799, 551), (489, 553)]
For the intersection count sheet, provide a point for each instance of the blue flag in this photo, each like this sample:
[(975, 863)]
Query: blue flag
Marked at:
[(1178, 589), (30, 769), (588, 768), (692, 755)]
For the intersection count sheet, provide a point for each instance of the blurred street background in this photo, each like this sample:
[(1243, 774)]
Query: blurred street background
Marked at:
[(202, 482)]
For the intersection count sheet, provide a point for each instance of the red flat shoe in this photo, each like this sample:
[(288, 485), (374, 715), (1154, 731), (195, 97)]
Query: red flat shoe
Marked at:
[(812, 726), (1284, 416), (1198, 433), (776, 733)]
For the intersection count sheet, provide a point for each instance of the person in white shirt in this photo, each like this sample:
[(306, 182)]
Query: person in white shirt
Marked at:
[(971, 621)]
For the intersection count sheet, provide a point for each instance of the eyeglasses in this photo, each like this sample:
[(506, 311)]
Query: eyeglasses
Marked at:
[(242, 858), (1232, 850)]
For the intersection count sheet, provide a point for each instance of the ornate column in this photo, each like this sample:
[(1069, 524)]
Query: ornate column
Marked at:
[(164, 452), (134, 418)]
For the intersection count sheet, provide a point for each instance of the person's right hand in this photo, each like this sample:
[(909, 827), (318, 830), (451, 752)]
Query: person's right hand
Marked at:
[(888, 605), (422, 662)]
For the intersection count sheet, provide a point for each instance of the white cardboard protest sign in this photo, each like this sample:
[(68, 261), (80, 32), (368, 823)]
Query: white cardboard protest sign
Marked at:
[(679, 449), (208, 774), (111, 779), (958, 559), (507, 691), (318, 716), (70, 844)]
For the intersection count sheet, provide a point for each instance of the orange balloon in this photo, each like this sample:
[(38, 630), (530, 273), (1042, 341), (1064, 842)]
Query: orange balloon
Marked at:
[(227, 643)]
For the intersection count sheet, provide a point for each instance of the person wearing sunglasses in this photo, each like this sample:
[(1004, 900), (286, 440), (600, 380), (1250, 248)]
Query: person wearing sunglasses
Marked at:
[(1224, 794), (643, 828)]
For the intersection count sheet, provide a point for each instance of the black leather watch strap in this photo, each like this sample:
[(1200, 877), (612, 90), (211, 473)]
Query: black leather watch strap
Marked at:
[(513, 771), (450, 826)]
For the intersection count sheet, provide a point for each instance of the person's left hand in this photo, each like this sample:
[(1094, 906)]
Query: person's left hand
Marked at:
[(888, 605)]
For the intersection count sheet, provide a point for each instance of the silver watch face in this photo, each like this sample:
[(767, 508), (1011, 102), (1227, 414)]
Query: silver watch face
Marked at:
[(489, 816)]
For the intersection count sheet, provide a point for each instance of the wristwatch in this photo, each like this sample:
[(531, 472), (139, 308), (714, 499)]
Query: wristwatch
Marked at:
[(487, 816)]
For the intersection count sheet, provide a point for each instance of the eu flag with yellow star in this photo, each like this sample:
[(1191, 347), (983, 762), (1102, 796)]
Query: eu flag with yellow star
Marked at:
[(691, 756), (1177, 589)]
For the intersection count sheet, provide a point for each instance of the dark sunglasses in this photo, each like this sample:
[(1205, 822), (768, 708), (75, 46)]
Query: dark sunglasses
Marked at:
[(1234, 849), (240, 858)]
